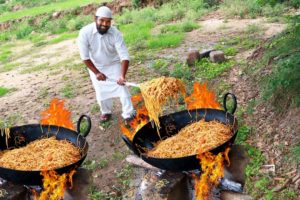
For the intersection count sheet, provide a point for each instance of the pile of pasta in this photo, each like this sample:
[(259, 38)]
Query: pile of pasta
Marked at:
[(42, 154), (195, 138), (157, 92)]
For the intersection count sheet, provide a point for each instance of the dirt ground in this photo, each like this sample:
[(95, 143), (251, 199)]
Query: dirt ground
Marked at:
[(33, 91)]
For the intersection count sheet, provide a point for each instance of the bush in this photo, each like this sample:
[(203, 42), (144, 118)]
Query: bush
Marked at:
[(182, 72), (282, 84), (23, 31)]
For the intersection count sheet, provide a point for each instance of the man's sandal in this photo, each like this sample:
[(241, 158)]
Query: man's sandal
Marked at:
[(105, 117)]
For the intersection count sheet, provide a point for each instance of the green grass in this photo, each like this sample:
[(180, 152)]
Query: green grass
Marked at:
[(243, 134), (68, 91), (165, 40), (5, 52), (161, 66), (252, 9), (206, 70), (62, 37), (296, 153), (36, 68), (138, 36), (11, 120), (282, 85), (4, 91), (53, 7), (185, 26), (9, 66)]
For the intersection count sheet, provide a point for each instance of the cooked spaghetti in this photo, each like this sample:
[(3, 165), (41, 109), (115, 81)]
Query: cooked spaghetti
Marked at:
[(196, 138), (158, 92), (5, 132), (42, 154)]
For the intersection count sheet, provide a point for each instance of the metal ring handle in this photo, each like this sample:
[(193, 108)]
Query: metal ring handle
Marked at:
[(84, 134), (234, 102)]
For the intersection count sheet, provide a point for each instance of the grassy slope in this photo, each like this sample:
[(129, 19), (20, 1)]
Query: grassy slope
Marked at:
[(46, 9)]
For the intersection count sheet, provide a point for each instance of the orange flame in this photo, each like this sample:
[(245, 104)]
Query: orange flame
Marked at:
[(201, 98), (140, 119), (212, 171), (57, 115), (54, 185)]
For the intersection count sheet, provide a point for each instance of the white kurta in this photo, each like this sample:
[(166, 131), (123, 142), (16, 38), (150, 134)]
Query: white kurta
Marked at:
[(106, 52)]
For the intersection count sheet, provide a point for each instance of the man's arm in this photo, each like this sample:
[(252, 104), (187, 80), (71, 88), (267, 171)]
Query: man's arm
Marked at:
[(124, 68), (124, 57), (100, 76)]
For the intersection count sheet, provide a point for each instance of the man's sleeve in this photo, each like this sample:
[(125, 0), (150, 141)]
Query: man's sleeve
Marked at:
[(121, 47), (83, 45)]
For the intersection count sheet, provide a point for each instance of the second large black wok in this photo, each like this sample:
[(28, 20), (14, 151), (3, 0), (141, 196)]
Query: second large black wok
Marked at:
[(147, 136)]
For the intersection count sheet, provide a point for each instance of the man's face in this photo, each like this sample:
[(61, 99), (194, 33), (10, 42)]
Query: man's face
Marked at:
[(103, 24)]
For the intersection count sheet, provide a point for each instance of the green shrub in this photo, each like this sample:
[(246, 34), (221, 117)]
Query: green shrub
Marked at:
[(282, 84), (78, 22), (23, 31), (161, 66), (188, 26), (136, 3), (242, 9), (207, 70), (165, 40), (182, 72), (296, 152)]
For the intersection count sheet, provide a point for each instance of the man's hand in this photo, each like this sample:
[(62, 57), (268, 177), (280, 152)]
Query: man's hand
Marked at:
[(121, 81), (100, 76)]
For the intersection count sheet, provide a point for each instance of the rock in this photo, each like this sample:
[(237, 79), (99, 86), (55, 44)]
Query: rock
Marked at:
[(217, 56), (238, 161), (55, 15), (205, 53), (193, 57), (226, 195), (82, 181), (12, 191), (168, 186)]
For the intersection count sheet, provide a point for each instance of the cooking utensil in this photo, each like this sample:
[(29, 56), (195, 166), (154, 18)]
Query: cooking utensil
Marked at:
[(22, 135), (147, 136), (126, 83)]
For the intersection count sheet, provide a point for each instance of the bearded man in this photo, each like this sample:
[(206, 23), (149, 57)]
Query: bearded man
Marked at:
[(104, 52)]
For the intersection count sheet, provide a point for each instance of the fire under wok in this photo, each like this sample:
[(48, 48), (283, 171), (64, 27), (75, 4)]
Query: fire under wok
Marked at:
[(22, 135), (147, 136)]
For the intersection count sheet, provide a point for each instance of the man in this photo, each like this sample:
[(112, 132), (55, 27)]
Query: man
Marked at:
[(103, 51)]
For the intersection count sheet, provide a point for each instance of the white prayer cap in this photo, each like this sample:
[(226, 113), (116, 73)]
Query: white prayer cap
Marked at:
[(104, 11)]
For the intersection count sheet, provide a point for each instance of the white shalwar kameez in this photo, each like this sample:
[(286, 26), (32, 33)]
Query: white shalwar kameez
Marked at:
[(106, 52)]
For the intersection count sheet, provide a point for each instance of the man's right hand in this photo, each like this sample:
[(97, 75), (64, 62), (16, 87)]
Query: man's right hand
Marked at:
[(100, 76)]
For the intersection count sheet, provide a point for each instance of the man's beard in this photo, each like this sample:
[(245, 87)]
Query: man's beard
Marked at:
[(102, 29)]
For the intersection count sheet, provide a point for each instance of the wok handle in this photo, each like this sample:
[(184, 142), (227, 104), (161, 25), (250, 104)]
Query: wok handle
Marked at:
[(89, 125), (234, 102)]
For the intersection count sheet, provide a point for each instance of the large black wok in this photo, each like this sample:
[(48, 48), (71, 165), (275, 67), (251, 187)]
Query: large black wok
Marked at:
[(147, 136), (22, 135)]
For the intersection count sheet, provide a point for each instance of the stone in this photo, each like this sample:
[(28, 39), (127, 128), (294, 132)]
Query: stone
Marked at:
[(56, 14), (227, 195), (238, 162), (164, 186), (193, 57), (81, 183), (12, 191), (205, 53), (217, 56)]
